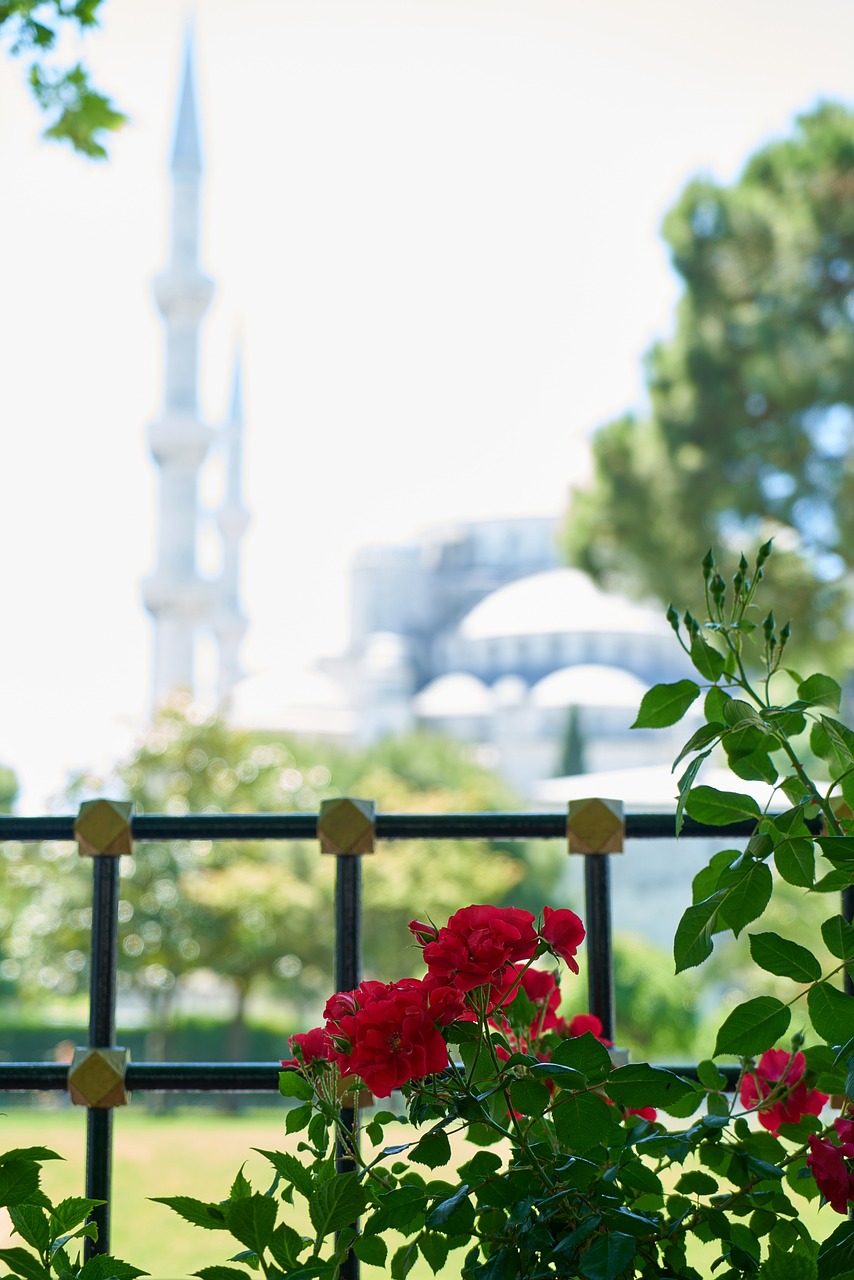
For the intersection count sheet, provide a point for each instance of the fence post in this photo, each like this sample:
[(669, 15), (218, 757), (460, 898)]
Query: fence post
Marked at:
[(347, 829), (96, 1078), (596, 828)]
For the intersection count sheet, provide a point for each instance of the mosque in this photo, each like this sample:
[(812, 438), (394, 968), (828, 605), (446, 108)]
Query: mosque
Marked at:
[(474, 630)]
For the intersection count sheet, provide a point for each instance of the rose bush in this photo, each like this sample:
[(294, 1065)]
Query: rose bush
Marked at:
[(576, 1166)]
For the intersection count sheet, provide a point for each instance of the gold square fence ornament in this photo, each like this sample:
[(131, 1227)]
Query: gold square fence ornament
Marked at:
[(96, 1078), (595, 826), (103, 827), (346, 826)]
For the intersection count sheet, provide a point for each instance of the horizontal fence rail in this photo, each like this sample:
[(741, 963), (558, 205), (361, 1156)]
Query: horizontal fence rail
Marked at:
[(106, 830)]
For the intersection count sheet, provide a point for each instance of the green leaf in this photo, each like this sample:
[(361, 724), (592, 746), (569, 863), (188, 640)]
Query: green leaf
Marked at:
[(794, 858), (291, 1169), (697, 1183), (529, 1097), (836, 1255), (31, 1223), (715, 705), (585, 1054), (22, 1263), (708, 661), (298, 1118), (608, 1257), (838, 937), (103, 1267), (753, 1027), (666, 704), (434, 1150), (640, 1085), (693, 941), (28, 1153), (337, 1203), (403, 1261), (787, 959), (748, 891), (841, 739), (820, 691), (718, 808), (70, 1212), (435, 1248), (582, 1121), (705, 734), (831, 1013), (780, 1265), (684, 786), (371, 1250), (220, 1273), (201, 1214), (838, 850), (293, 1085), (252, 1220), (445, 1209), (18, 1180)]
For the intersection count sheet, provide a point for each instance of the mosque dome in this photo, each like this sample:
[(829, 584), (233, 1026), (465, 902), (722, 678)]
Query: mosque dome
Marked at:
[(589, 684), (557, 601), (455, 694)]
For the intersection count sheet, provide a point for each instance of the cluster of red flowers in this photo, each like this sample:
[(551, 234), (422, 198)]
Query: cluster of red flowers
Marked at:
[(781, 1073), (388, 1033), (832, 1165)]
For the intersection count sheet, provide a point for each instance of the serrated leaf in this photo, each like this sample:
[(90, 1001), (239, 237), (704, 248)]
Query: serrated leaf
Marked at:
[(103, 1267), (529, 1097), (783, 957), (640, 1085), (440, 1213), (199, 1212), (294, 1085), (28, 1153), (435, 1248), (371, 1250), (71, 1211), (753, 1026), (252, 1220), (708, 661), (831, 1012), (581, 1121), (841, 739), (666, 704), (748, 889), (838, 937), (298, 1118), (31, 1224), (820, 691), (719, 808), (608, 1257), (836, 1255), (839, 850), (336, 1204), (707, 733), (291, 1169), (585, 1054), (403, 1261), (18, 1180), (693, 941), (220, 1272), (794, 858), (434, 1150), (22, 1263)]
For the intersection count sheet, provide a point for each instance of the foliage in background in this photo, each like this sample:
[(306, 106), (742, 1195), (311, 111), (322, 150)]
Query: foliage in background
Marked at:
[(751, 415), (259, 915), (79, 114)]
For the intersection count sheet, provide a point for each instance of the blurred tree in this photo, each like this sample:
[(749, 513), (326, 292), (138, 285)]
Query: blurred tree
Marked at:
[(751, 416), (79, 113), (261, 913)]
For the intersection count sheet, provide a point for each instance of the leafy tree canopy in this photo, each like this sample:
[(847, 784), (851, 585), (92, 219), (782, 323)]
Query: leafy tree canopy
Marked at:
[(79, 114), (751, 417)]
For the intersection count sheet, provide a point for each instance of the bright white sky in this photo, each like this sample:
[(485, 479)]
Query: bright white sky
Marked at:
[(434, 223)]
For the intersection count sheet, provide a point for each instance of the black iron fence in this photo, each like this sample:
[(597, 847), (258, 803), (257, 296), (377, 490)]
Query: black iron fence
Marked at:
[(100, 1076)]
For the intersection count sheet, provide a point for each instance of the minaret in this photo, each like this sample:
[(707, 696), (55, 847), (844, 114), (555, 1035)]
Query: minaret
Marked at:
[(229, 623), (175, 596)]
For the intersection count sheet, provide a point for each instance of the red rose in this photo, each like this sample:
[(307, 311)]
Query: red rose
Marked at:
[(312, 1046), (392, 1039), (563, 932), (542, 989), (424, 933), (778, 1069), (477, 947), (831, 1169), (582, 1023)]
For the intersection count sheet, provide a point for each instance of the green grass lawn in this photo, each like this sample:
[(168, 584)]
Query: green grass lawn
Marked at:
[(193, 1153)]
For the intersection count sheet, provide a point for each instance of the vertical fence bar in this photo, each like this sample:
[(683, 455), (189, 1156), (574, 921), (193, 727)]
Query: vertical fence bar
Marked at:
[(96, 1078), (596, 828), (347, 829)]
